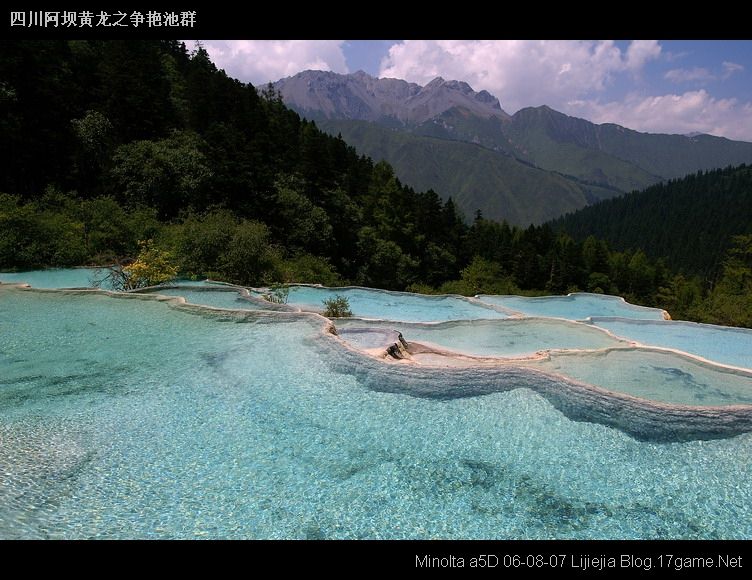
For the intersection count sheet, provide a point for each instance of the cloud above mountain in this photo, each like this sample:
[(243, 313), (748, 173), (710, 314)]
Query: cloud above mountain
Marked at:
[(574, 77), (261, 61), (603, 81), (689, 112), (520, 72)]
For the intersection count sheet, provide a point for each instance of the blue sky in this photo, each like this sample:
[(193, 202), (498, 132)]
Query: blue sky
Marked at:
[(648, 85)]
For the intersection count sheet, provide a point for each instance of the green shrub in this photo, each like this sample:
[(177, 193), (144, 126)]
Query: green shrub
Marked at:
[(278, 294), (420, 288), (461, 287), (250, 258), (337, 307), (306, 268), (153, 266)]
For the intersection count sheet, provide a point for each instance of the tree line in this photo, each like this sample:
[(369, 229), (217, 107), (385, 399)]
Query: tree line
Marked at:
[(699, 226), (113, 144), (689, 221)]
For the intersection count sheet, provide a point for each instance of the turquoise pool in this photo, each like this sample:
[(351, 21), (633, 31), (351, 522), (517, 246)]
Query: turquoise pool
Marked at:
[(216, 298), (70, 278), (55, 278), (574, 306), (401, 306), (502, 338), (654, 375), (606, 361), (127, 417), (731, 346)]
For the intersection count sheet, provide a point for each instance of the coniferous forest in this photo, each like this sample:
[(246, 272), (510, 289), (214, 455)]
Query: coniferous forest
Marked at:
[(111, 143), (689, 221)]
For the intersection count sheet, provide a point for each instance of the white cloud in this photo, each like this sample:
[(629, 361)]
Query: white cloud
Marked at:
[(571, 76), (685, 75), (701, 74), (729, 68), (670, 56), (674, 113), (520, 72), (640, 52), (261, 61)]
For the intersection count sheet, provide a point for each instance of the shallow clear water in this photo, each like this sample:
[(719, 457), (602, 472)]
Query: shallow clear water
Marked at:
[(71, 278), (658, 376), (218, 298), (501, 338), (392, 305), (731, 346), (574, 307), (129, 418), (368, 337), (653, 375), (202, 283), (55, 278)]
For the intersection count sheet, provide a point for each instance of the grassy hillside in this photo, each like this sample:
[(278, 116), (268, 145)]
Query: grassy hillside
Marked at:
[(500, 186), (629, 158), (528, 137), (585, 162)]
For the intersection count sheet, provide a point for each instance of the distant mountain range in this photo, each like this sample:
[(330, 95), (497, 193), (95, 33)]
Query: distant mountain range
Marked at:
[(361, 97), (532, 166)]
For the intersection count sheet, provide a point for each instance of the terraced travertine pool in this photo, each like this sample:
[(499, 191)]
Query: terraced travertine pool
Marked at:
[(216, 298), (731, 346), (578, 306), (401, 306), (128, 416)]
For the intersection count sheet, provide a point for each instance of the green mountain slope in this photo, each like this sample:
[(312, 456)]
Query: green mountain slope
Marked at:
[(599, 161), (475, 177), (542, 134), (689, 221), (530, 137)]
